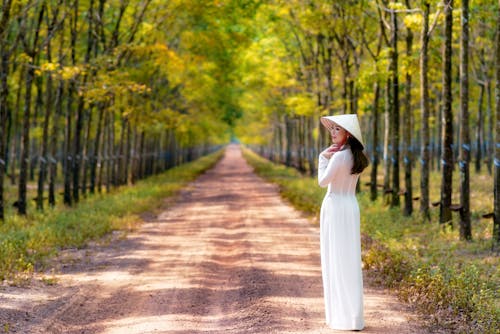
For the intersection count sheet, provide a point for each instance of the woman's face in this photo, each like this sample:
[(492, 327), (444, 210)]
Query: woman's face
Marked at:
[(338, 134)]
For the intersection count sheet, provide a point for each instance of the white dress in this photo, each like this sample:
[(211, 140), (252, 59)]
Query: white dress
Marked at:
[(340, 243)]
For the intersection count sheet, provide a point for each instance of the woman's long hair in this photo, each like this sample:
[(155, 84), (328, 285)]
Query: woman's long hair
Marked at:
[(360, 159)]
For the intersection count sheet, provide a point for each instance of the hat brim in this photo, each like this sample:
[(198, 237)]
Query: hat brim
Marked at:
[(348, 122)]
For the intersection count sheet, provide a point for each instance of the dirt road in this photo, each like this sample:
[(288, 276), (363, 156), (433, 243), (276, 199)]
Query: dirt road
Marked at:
[(228, 256)]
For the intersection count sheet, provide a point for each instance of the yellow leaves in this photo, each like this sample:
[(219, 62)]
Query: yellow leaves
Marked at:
[(106, 86), (23, 58), (301, 104), (396, 6), (49, 67), (413, 21), (70, 72), (145, 29), (62, 73)]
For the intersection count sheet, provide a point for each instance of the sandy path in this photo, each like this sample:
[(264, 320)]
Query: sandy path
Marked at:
[(228, 257)]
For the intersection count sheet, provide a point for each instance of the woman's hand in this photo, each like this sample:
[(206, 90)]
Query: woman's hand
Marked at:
[(330, 151)]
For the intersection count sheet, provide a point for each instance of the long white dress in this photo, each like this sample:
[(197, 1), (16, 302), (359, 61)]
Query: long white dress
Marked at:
[(340, 243)]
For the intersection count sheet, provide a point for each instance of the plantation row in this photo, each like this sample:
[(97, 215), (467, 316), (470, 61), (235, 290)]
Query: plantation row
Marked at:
[(92, 96), (423, 76)]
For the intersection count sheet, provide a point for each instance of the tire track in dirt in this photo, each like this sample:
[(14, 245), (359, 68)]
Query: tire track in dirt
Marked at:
[(229, 256)]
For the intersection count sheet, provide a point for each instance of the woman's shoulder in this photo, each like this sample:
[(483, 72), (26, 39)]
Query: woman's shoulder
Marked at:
[(345, 153), (343, 157)]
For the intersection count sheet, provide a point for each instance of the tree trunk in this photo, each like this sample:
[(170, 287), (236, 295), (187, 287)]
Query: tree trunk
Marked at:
[(479, 129), (288, 141), (87, 151), (67, 158), (464, 159), (447, 145), (77, 147), (25, 142), (4, 100), (489, 113), (4, 115), (35, 154), (311, 150), (128, 154), (407, 145), (395, 113), (424, 105), (387, 134), (54, 142), (42, 171), (95, 160), (109, 150), (375, 152), (496, 223)]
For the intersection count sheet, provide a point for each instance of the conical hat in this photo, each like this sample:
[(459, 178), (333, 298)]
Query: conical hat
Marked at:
[(348, 121)]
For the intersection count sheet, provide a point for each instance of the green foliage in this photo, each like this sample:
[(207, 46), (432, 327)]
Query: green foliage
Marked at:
[(454, 284), (25, 242)]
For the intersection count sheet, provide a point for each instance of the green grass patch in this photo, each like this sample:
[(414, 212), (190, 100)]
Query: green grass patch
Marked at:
[(26, 241), (454, 284)]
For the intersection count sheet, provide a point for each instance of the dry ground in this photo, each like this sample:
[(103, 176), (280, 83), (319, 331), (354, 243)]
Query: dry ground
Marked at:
[(228, 256)]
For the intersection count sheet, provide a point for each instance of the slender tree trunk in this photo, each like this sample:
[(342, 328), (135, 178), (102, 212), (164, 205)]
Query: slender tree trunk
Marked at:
[(447, 151), (102, 156), (407, 146), (35, 154), (489, 113), (288, 141), (95, 161), (77, 148), (479, 129), (109, 150), (87, 152), (42, 171), (142, 156), (4, 100), (311, 151), (16, 141), (67, 158), (465, 220), (496, 223), (128, 154), (395, 201), (25, 143), (387, 134), (4, 115), (121, 151), (58, 105), (375, 151), (424, 106)]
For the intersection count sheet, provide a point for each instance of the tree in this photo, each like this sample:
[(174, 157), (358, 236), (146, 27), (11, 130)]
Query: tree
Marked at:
[(31, 48), (395, 201), (5, 54), (447, 120), (407, 126), (464, 159), (496, 190)]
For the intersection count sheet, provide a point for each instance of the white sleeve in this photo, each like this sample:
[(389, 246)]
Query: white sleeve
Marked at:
[(328, 169)]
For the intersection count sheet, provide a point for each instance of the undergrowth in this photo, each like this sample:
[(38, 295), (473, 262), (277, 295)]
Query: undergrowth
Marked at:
[(26, 241), (453, 284)]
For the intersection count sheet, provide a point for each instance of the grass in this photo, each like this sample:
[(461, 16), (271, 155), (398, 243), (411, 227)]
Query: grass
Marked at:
[(26, 241), (453, 284)]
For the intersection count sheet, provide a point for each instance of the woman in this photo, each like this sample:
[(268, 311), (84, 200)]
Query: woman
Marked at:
[(338, 169)]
